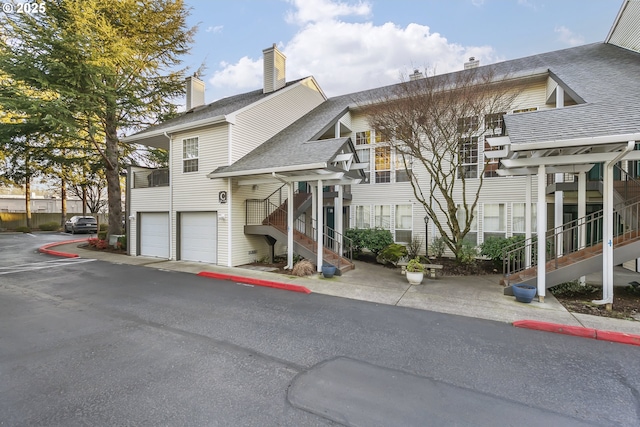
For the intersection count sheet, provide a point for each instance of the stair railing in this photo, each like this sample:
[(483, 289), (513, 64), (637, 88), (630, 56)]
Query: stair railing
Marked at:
[(576, 236)]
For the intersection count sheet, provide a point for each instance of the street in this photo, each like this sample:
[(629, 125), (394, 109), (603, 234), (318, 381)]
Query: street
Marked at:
[(92, 343)]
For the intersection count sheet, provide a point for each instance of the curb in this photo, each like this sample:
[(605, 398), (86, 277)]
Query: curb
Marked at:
[(579, 331), (45, 249), (257, 282)]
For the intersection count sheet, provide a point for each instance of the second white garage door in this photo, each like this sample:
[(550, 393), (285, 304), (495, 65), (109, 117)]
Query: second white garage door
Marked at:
[(198, 236)]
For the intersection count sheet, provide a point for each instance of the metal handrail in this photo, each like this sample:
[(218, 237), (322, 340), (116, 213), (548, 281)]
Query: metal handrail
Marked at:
[(626, 224)]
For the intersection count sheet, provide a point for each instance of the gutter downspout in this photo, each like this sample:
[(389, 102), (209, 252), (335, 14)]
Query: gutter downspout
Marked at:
[(170, 138)]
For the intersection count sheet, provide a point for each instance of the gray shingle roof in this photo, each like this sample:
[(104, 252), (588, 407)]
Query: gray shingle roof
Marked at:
[(603, 75)]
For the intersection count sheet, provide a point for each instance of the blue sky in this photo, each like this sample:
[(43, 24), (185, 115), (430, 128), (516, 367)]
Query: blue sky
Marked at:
[(352, 45)]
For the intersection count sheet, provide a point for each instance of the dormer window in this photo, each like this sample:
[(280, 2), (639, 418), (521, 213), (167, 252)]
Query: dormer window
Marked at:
[(190, 155)]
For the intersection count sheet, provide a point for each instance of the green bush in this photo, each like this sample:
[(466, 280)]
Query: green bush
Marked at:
[(415, 266), (49, 226), (103, 227), (102, 235), (122, 243), (23, 229), (493, 247), (571, 289), (468, 253), (437, 247), (377, 239), (357, 238), (393, 253)]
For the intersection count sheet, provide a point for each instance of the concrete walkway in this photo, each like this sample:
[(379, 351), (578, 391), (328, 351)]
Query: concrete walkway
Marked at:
[(472, 296)]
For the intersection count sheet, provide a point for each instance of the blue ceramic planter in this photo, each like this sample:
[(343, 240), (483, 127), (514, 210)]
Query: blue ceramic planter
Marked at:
[(524, 293), (328, 271)]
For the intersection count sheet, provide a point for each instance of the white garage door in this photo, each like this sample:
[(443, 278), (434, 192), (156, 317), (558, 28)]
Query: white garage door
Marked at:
[(198, 236), (154, 234)]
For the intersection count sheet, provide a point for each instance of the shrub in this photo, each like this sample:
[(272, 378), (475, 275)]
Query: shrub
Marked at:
[(303, 268), (122, 243), (102, 235), (103, 227), (93, 242), (468, 253), (23, 229), (414, 247), (393, 253), (376, 239), (437, 247), (493, 247), (415, 266), (102, 244), (49, 226), (357, 237), (573, 288)]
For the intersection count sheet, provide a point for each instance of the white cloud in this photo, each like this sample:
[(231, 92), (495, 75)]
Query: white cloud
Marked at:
[(528, 3), (568, 37), (215, 29), (324, 10), (477, 3), (346, 57)]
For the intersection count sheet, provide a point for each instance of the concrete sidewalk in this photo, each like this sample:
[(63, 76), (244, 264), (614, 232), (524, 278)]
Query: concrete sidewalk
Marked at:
[(472, 296)]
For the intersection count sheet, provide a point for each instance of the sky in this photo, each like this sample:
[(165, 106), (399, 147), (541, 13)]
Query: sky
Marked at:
[(352, 45)]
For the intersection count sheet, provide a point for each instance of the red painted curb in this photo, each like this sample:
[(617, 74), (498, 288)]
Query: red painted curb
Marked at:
[(257, 282), (45, 249), (619, 337), (577, 331)]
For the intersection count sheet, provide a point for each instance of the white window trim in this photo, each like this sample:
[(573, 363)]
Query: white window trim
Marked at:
[(197, 158)]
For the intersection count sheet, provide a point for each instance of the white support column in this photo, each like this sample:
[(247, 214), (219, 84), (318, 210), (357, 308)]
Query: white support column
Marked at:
[(337, 130), (607, 236), (290, 226), (541, 227), (527, 220), (320, 223), (337, 213), (558, 219), (314, 208), (582, 213)]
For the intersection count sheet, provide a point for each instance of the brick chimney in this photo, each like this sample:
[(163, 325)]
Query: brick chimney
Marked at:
[(195, 92), (274, 69)]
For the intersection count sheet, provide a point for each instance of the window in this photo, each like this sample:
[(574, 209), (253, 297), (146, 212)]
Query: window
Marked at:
[(363, 137), (492, 165), (190, 155), (403, 171), (467, 124), (363, 217), (468, 157), (382, 216), (383, 164), (404, 223), (364, 157), (494, 220), (472, 235), (518, 218), (494, 124)]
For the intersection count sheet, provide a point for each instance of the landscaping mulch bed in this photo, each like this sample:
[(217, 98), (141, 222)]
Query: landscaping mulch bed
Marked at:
[(626, 301)]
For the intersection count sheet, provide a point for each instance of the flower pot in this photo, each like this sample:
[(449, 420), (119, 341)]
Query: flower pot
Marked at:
[(414, 278), (524, 293), (328, 271)]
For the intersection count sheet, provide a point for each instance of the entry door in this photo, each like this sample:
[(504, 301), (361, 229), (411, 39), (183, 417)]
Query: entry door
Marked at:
[(198, 236)]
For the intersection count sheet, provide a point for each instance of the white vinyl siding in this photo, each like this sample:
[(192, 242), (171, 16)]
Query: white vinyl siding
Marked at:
[(151, 199)]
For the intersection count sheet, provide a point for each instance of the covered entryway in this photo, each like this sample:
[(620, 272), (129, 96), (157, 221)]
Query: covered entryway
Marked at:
[(198, 236), (154, 234)]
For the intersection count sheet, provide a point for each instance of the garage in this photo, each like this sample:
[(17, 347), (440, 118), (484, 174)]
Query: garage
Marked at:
[(198, 236), (154, 234)]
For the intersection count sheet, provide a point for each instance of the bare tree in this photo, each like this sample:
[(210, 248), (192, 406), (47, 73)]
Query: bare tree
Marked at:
[(439, 122)]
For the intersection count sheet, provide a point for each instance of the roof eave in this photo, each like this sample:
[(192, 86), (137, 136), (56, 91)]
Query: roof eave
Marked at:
[(140, 137), (280, 169)]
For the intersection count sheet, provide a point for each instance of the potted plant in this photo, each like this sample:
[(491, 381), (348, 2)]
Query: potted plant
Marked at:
[(328, 271), (524, 292), (415, 271)]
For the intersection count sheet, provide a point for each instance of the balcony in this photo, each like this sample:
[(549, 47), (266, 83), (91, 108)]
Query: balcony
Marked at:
[(151, 178)]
